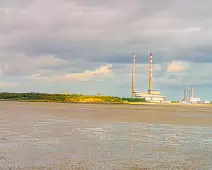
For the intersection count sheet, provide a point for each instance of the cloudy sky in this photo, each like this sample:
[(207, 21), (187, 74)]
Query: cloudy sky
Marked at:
[(86, 46)]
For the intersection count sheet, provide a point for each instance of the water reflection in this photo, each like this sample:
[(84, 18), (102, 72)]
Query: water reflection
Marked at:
[(59, 142)]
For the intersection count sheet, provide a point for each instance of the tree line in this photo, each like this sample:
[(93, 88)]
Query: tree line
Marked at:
[(45, 97)]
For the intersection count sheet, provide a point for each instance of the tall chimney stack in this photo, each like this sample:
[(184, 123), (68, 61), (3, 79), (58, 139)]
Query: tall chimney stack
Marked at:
[(185, 94), (189, 92), (134, 75), (192, 92), (150, 74)]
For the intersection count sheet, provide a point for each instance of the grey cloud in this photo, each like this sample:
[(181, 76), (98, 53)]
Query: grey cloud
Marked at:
[(89, 33), (94, 24), (22, 65)]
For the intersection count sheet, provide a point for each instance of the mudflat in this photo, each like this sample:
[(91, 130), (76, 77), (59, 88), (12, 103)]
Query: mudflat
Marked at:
[(177, 114), (104, 136)]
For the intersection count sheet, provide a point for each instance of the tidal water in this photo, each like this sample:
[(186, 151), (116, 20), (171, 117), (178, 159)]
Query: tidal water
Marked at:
[(48, 141)]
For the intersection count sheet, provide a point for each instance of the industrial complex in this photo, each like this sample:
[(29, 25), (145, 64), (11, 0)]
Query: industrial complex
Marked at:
[(189, 96), (152, 95)]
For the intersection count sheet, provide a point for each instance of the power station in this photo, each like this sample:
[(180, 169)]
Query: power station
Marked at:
[(152, 95), (189, 96)]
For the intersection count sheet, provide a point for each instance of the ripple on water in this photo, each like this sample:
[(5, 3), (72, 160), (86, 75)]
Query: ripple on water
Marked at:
[(62, 142)]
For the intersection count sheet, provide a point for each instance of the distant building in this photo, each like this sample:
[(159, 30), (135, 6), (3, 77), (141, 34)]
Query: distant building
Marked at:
[(183, 102), (150, 97), (189, 96), (192, 100), (206, 102), (166, 101)]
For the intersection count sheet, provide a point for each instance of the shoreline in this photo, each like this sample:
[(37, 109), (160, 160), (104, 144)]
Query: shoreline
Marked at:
[(112, 103), (112, 113)]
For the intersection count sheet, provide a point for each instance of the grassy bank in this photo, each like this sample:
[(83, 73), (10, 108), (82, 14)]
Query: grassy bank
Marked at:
[(62, 98)]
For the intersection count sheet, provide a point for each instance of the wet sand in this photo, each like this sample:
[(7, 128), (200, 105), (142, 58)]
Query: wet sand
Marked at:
[(89, 136), (104, 113)]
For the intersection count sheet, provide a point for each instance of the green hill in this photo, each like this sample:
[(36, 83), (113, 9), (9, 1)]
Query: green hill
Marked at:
[(73, 98)]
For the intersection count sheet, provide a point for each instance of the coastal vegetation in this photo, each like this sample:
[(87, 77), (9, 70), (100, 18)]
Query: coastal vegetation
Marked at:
[(72, 98)]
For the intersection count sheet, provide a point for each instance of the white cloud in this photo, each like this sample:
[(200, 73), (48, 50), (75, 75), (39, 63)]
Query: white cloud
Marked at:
[(180, 73), (102, 71), (177, 66)]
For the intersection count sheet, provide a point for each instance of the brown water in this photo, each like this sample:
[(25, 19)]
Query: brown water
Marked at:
[(32, 138)]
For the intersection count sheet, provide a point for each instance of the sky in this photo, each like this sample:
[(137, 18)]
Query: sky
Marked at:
[(86, 46)]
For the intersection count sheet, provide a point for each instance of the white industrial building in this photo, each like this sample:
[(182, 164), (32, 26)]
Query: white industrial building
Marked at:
[(189, 96), (206, 102), (150, 97), (192, 100)]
